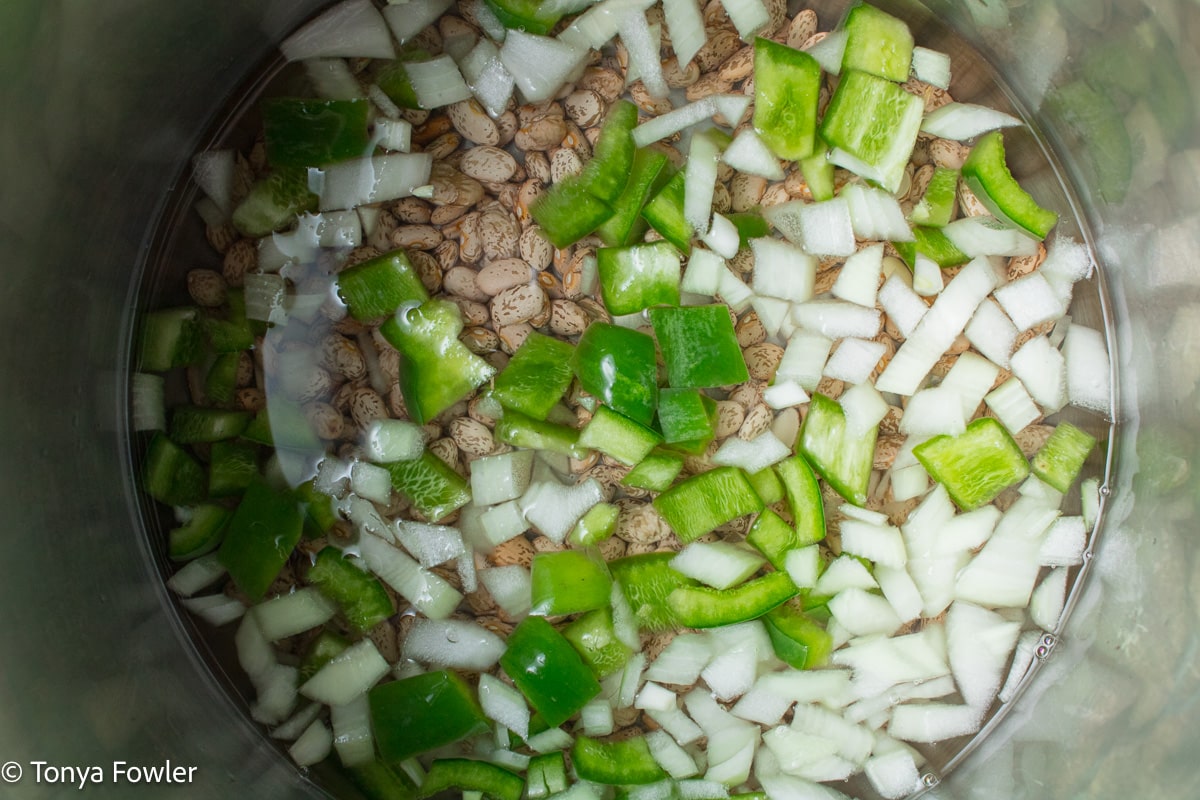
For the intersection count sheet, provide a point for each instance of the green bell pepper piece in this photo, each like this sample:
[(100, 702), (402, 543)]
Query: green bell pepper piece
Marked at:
[(548, 671), (706, 501), (193, 424), (437, 369), (262, 535), (619, 367), (817, 170), (796, 638), (170, 475), (618, 436), (231, 333), (233, 466), (379, 286), (424, 712), (804, 499), (360, 596), (699, 346), (651, 169), (664, 212), (568, 582), (750, 225), (686, 415), (320, 512), (655, 472), (531, 16), (606, 174), (878, 43), (546, 775), (844, 461), (170, 338), (623, 763), (787, 86), (773, 537), (767, 486), (638, 276), (468, 775), (595, 526), (933, 244), (378, 781), (647, 580), (936, 207), (434, 489), (976, 465), (199, 535), (593, 636), (536, 377), (705, 607), (274, 202), (568, 212), (521, 431), (323, 649), (986, 173), (875, 123), (311, 132), (1059, 461), (220, 383)]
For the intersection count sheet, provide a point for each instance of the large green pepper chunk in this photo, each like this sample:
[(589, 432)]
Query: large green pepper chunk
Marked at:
[(536, 376), (872, 124), (548, 671), (706, 501), (423, 712), (469, 775), (647, 580), (379, 286), (311, 132), (618, 366), (639, 276), (262, 534), (623, 763), (705, 607), (361, 597), (787, 85), (699, 346), (568, 582)]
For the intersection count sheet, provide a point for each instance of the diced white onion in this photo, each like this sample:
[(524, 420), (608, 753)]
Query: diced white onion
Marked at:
[(642, 47), (747, 153), (783, 270), (412, 17), (213, 171), (437, 82), (313, 745), (992, 333), (686, 26), (453, 643), (332, 79), (822, 229), (429, 593), (854, 360), (963, 121), (934, 411), (1042, 370), (700, 180), (858, 282), (350, 674), (215, 609), (510, 587), (1048, 600), (987, 236), (804, 359), (540, 65), (754, 455), (830, 51), (703, 272), (352, 29), (506, 476), (718, 564), (931, 66), (196, 575), (722, 236), (293, 613), (352, 736), (836, 319), (876, 215), (1030, 301), (373, 180), (1089, 372)]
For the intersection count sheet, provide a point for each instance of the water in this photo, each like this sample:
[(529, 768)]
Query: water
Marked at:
[(181, 246)]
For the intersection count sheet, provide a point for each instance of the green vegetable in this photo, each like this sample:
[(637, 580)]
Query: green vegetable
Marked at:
[(434, 489), (261, 536), (797, 639), (626, 762), (546, 775), (686, 415), (424, 712), (875, 123), (655, 472), (986, 173), (233, 466), (361, 597), (706, 501), (638, 276), (379, 286), (664, 212), (804, 499), (521, 431), (192, 424), (378, 781), (844, 461), (773, 537), (437, 369), (936, 207), (933, 244), (468, 775), (568, 211), (593, 636), (568, 582), (619, 367), (878, 43), (595, 526), (274, 202), (536, 377), (647, 580), (310, 132), (323, 649), (649, 172), (548, 671), (699, 346), (231, 334), (1058, 461), (787, 85), (170, 475), (767, 486), (817, 170), (618, 436), (320, 513), (705, 607), (606, 174), (200, 534), (976, 465), (220, 384), (170, 338), (531, 16)]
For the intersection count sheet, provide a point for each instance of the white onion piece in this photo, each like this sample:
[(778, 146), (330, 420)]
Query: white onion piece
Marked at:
[(597, 718), (1042, 370), (332, 79), (453, 643), (409, 19), (490, 81), (700, 181), (550, 740), (882, 544), (931, 66), (642, 47), (502, 522), (933, 722), (352, 29), (371, 482), (686, 26), (804, 359), (783, 270), (1022, 660), (900, 590), (350, 674), (785, 394), (213, 170), (702, 275), (373, 180), (291, 728), (864, 408), (1030, 301), (979, 643), (554, 509), (352, 736), (963, 121), (932, 412), (429, 593), (876, 215), (969, 530), (509, 587), (506, 476), (858, 282), (431, 545), (670, 756), (595, 27), (772, 312), (313, 746), (822, 229), (1012, 405), (854, 742), (748, 16), (1067, 261), (393, 134), (836, 319), (854, 360), (894, 775), (1003, 573), (1089, 373), (437, 82), (992, 333), (1048, 600), (987, 236), (747, 153), (927, 276), (674, 121), (972, 377), (289, 614), (717, 564), (1064, 544), (903, 306), (733, 290), (540, 65), (863, 614), (215, 609), (830, 51), (722, 236)]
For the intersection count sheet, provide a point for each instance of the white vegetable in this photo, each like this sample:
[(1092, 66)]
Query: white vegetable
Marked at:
[(759, 453), (933, 722), (963, 121), (700, 180), (289, 614), (927, 276), (643, 47), (934, 411), (597, 718), (718, 564), (432, 545), (1003, 574), (1012, 405), (352, 735), (893, 775), (213, 172), (748, 16), (1022, 659), (686, 26), (429, 594), (844, 573), (1030, 301), (291, 728), (540, 65), (506, 476), (772, 312), (803, 566), (490, 81), (332, 79), (837, 319), (858, 282), (783, 270), (804, 359), (682, 660), (412, 17), (979, 643), (550, 740), (882, 544), (901, 592), (863, 614), (747, 153), (1064, 543), (437, 82), (350, 674), (903, 306), (215, 609), (822, 229), (670, 756), (854, 360), (722, 236), (453, 643), (1042, 370), (703, 272), (736, 294), (830, 51), (1089, 373), (931, 66), (352, 29), (371, 482), (554, 509), (784, 394), (987, 236), (673, 121), (876, 215), (313, 745), (992, 333), (196, 575), (362, 181)]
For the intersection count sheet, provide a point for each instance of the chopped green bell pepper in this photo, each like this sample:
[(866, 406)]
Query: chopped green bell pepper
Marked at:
[(987, 175), (231, 333), (567, 212), (606, 174), (705, 607), (568, 582), (233, 466), (200, 534), (664, 212), (521, 431), (618, 436), (593, 636), (878, 43), (797, 639), (595, 526), (936, 207), (192, 424), (379, 286), (706, 501), (619, 367), (1058, 461), (699, 346), (434, 489), (536, 377), (817, 170), (933, 244), (274, 202), (655, 472), (804, 499), (360, 596), (171, 337), (468, 775), (773, 537), (686, 415), (872, 124), (548, 671), (844, 461), (531, 16), (976, 465), (220, 383), (621, 763), (649, 172), (323, 649), (787, 86), (170, 475), (262, 535), (647, 580), (638, 276), (424, 712), (312, 132)]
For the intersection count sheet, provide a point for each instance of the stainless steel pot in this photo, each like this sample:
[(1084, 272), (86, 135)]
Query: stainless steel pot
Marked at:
[(102, 103)]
